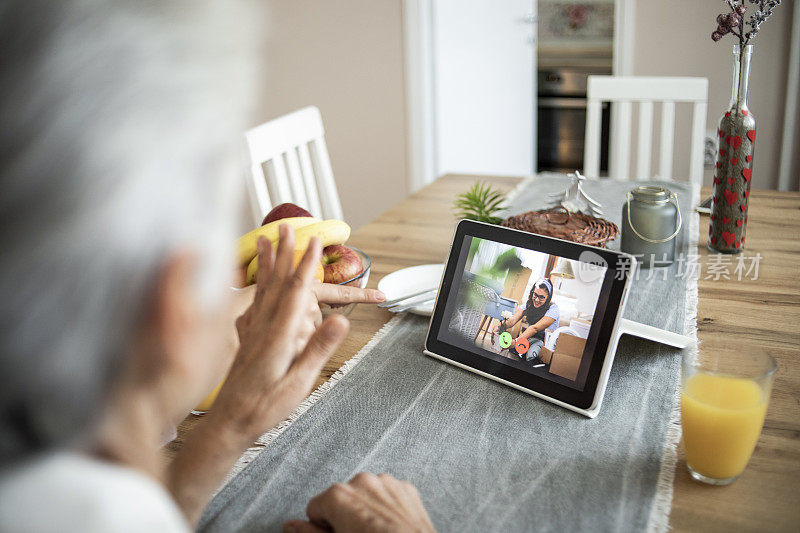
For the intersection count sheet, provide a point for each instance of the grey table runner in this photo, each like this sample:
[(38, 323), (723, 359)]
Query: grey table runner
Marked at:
[(484, 456)]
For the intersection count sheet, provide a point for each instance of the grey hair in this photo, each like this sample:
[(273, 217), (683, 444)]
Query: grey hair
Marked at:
[(121, 138)]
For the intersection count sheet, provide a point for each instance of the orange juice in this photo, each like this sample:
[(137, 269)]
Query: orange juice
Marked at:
[(722, 419)]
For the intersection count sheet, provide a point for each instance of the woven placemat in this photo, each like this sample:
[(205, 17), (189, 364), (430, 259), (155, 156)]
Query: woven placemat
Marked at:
[(575, 227)]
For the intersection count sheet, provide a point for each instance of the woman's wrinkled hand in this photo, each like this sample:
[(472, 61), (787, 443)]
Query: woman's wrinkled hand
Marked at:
[(365, 503), (329, 294), (283, 343), (339, 295)]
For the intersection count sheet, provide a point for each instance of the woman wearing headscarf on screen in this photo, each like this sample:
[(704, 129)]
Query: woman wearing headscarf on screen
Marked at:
[(541, 314)]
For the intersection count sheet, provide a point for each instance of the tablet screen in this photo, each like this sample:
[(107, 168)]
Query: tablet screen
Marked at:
[(526, 309)]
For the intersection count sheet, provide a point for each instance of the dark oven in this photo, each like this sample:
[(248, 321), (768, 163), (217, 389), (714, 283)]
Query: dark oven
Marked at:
[(562, 120)]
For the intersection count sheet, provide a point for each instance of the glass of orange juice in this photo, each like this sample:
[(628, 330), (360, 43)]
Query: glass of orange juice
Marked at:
[(724, 398)]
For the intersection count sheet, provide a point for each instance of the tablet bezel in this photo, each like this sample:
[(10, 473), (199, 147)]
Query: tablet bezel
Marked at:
[(610, 306)]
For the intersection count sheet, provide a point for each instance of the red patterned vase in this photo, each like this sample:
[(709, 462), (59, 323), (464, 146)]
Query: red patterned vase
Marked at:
[(734, 168)]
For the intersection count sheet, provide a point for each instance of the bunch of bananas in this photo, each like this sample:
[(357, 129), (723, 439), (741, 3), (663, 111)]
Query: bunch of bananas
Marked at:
[(329, 232)]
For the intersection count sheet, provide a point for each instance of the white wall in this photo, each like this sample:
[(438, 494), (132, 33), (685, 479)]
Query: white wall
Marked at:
[(347, 59)]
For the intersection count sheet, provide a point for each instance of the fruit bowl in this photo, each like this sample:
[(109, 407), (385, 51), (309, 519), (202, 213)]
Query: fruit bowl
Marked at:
[(359, 281)]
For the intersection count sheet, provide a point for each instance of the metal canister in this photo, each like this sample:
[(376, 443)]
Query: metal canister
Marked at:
[(651, 222)]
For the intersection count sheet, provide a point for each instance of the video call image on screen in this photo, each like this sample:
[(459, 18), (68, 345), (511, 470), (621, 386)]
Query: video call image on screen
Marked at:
[(524, 308)]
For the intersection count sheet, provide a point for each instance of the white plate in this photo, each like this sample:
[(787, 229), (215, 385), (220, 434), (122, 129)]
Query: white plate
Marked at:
[(411, 280)]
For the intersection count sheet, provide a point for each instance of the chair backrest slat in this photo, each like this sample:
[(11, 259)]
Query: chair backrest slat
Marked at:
[(698, 131), (297, 183), (591, 155), (260, 201), (619, 162), (298, 168), (331, 208), (643, 145), (623, 92), (667, 138), (276, 176), (308, 177)]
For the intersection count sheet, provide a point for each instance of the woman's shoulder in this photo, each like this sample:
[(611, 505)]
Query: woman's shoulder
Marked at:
[(83, 494)]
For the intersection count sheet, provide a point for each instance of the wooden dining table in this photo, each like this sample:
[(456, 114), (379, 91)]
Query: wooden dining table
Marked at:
[(731, 313)]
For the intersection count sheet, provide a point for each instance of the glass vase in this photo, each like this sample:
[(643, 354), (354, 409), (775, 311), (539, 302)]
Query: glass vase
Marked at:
[(734, 167)]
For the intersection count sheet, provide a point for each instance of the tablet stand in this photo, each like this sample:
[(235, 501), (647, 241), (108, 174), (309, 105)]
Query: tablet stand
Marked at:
[(629, 327)]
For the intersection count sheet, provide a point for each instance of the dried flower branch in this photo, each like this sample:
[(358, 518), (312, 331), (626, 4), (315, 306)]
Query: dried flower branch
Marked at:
[(734, 21)]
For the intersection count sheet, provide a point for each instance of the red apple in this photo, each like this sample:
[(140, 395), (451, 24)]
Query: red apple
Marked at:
[(340, 263), (286, 210)]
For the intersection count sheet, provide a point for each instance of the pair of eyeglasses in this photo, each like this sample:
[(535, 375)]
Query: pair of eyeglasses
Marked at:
[(539, 297)]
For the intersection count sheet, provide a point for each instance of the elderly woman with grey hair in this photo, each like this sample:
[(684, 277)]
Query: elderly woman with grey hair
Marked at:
[(117, 209)]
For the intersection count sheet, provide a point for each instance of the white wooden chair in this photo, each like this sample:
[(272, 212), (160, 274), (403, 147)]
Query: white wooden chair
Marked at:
[(623, 91), (292, 150)]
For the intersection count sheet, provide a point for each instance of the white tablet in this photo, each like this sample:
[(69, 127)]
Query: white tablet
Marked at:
[(535, 313)]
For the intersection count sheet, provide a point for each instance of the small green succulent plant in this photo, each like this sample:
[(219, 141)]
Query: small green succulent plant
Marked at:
[(481, 203)]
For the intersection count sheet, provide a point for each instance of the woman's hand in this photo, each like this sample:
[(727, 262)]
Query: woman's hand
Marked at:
[(281, 353), (282, 349), (338, 295), (365, 503), (327, 294)]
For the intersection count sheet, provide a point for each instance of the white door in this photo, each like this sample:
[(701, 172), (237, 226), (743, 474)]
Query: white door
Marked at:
[(484, 76)]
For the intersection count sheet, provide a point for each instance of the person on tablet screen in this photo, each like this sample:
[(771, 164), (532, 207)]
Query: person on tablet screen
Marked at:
[(541, 314)]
